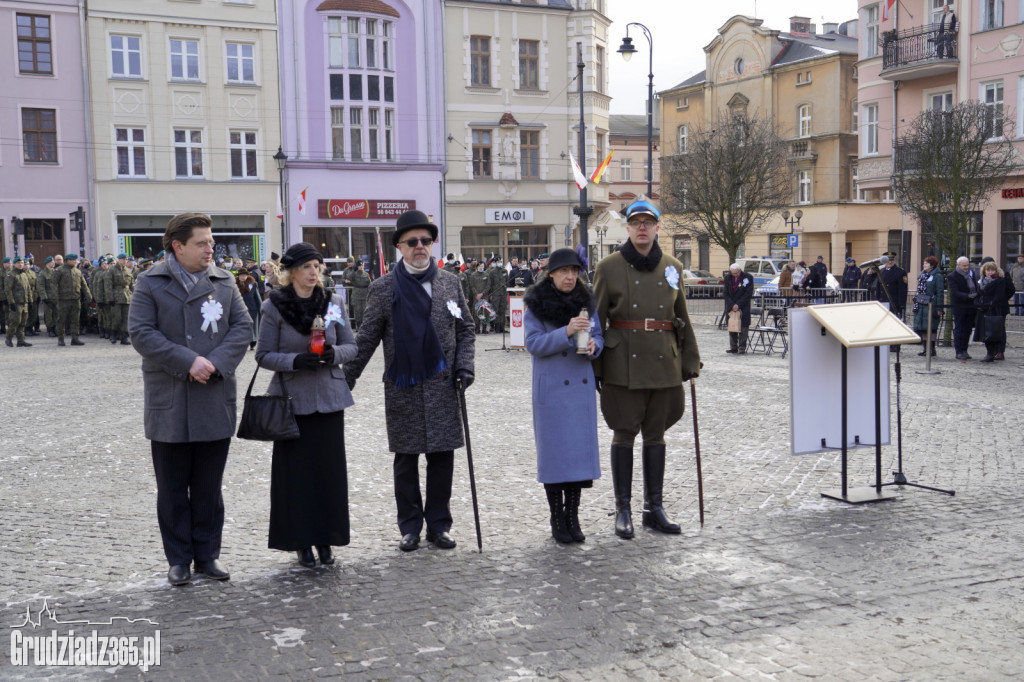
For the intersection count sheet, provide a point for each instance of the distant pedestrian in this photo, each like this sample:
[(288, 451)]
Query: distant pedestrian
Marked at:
[(850, 281), (737, 294), (419, 314), (930, 289), (189, 324), (564, 395), (995, 291), (963, 294)]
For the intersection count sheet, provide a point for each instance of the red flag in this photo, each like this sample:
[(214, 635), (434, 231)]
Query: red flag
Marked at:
[(885, 9), (381, 265)]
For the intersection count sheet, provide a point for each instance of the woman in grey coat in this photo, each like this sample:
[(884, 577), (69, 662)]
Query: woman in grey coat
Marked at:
[(564, 399), (309, 480)]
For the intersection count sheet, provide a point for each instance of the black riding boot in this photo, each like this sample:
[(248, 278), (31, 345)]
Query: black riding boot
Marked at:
[(622, 482), (558, 529), (654, 478), (572, 513)]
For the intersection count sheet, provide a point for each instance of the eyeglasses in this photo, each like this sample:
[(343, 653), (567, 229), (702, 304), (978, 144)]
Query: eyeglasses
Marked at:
[(422, 241), (643, 223), (204, 245)]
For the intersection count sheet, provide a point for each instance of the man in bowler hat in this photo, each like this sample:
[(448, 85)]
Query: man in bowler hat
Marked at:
[(419, 313)]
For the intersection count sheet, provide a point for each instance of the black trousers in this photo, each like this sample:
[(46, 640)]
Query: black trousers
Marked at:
[(412, 513), (189, 504), (963, 325)]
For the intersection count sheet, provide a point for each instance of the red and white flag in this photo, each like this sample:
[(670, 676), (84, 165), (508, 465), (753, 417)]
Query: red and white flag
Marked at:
[(382, 268), (885, 9), (577, 174), (302, 201), (280, 212)]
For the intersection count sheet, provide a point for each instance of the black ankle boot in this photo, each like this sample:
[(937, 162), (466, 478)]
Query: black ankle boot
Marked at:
[(622, 483), (306, 557), (558, 529), (654, 478), (572, 513)]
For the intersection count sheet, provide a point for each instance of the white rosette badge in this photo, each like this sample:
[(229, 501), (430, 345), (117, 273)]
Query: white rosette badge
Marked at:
[(672, 276), (334, 314), (212, 311), (454, 309)]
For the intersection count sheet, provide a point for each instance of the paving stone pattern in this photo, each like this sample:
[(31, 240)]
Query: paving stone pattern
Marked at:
[(780, 584)]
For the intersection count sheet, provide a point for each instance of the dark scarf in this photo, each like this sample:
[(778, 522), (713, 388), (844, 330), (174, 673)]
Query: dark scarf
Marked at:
[(551, 305), (645, 263), (300, 312), (418, 354)]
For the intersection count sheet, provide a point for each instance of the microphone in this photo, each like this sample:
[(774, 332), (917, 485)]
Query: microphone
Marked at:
[(881, 260)]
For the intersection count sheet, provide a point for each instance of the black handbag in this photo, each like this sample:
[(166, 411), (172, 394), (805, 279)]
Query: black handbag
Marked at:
[(267, 417), (995, 328)]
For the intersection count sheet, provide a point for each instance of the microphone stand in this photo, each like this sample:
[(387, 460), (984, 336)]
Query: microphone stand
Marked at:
[(504, 328), (899, 478)]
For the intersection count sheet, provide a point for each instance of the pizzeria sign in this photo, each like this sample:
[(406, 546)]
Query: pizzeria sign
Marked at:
[(338, 209)]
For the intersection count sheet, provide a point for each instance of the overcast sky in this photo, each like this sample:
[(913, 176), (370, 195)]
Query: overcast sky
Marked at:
[(681, 28)]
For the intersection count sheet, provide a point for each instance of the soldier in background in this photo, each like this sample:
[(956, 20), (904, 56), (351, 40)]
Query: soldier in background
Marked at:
[(32, 326), (122, 284), (72, 291), (5, 268), (48, 296), (18, 292), (360, 291), (479, 290), (100, 286), (498, 295)]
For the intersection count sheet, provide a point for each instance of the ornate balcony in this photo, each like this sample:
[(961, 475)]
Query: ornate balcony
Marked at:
[(802, 150), (918, 53)]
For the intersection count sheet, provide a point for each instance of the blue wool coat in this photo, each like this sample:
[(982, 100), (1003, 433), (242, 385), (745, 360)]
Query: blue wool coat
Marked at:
[(564, 403)]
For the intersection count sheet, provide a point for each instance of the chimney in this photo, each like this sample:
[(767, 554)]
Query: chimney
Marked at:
[(800, 25), (829, 27)]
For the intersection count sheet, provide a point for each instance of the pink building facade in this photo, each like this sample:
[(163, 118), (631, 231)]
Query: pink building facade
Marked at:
[(926, 66)]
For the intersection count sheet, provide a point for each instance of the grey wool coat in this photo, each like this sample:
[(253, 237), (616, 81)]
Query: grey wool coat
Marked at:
[(165, 327), (323, 390), (425, 417)]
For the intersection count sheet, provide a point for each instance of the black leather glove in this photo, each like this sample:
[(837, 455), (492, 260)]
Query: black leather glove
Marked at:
[(306, 361), (465, 377), (327, 357), (599, 383)]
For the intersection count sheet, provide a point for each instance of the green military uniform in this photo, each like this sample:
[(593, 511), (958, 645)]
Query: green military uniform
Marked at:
[(498, 295), (100, 286), (32, 310), (18, 292), (47, 291), (122, 284), (479, 285), (72, 290), (360, 292), (346, 280), (6, 268), (650, 350)]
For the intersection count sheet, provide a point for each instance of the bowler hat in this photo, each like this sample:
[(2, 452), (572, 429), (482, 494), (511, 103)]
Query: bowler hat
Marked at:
[(411, 220), (563, 258)]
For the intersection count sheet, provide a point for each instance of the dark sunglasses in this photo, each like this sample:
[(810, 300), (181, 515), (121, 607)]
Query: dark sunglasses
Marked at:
[(422, 241)]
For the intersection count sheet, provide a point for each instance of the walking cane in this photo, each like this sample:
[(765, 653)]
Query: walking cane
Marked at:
[(696, 444), (469, 457)]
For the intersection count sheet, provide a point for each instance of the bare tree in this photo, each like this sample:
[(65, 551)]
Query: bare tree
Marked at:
[(948, 165), (728, 181)]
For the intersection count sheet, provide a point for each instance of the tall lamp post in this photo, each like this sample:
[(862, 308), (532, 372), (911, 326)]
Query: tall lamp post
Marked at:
[(627, 51), (792, 223), (280, 158)]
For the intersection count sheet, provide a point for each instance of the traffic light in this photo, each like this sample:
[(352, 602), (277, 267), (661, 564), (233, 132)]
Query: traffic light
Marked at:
[(76, 220)]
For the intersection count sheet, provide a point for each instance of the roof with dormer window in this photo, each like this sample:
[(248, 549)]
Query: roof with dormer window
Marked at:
[(365, 6)]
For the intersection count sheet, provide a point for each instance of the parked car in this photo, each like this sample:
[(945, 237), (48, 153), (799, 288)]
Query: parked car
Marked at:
[(763, 270), (702, 284), (772, 287)]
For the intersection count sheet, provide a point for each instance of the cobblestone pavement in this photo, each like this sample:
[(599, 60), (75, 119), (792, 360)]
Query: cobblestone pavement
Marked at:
[(780, 584)]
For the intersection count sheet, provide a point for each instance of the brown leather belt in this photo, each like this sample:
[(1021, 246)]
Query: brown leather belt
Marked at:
[(647, 325)]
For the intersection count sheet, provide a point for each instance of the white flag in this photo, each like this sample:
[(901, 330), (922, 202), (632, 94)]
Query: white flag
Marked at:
[(302, 201), (577, 174)]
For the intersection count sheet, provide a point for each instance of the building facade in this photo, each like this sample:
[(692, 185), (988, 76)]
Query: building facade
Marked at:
[(44, 143), (806, 82), (910, 62), (363, 120), (185, 117), (627, 173), (513, 112)]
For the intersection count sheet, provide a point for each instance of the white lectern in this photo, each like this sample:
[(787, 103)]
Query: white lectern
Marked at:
[(827, 344)]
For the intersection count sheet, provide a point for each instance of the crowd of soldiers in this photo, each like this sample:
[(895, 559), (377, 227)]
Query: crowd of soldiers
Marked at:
[(485, 284)]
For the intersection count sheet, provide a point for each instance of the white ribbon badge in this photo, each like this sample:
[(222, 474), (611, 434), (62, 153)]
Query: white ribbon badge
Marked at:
[(334, 314), (212, 311), (672, 276), (454, 309)]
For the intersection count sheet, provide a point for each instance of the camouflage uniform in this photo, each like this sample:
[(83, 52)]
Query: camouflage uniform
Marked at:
[(18, 294), (32, 305), (47, 292), (72, 290), (122, 284), (479, 290), (3, 295), (100, 285), (360, 291)]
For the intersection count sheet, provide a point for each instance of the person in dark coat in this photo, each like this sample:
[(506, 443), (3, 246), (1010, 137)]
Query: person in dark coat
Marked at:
[(253, 300), (963, 295), (188, 322), (995, 290), (850, 280), (309, 479), (738, 292), (420, 315), (930, 288), (557, 308), (893, 279)]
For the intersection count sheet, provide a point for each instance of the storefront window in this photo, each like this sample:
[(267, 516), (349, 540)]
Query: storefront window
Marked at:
[(1012, 242), (970, 246), (681, 249), (237, 236), (505, 241), (343, 241)]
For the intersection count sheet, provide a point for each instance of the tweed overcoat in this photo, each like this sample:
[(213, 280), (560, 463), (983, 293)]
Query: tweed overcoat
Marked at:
[(425, 417), (323, 390), (639, 359), (164, 322), (564, 402)]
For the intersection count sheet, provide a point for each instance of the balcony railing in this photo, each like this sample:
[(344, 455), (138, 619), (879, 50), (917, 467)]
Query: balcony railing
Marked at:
[(916, 46), (802, 149)]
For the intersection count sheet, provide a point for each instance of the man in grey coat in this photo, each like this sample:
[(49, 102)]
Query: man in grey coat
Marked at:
[(189, 323), (420, 314)]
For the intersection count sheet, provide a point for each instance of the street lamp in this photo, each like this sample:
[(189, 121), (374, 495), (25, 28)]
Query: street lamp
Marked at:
[(280, 158), (627, 51), (601, 231), (792, 224)]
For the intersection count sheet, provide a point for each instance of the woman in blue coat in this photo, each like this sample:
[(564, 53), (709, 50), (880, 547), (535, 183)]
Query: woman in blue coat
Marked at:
[(564, 398)]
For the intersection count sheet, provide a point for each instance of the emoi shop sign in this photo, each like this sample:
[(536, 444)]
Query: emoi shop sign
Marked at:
[(338, 209), (508, 215)]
